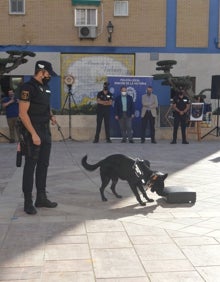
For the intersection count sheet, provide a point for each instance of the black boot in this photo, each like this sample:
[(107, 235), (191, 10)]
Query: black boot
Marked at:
[(28, 205), (42, 201)]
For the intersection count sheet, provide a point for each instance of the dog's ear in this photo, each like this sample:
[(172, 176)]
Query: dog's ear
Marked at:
[(147, 163), (164, 176)]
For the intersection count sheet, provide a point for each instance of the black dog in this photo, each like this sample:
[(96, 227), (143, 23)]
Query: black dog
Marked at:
[(136, 172)]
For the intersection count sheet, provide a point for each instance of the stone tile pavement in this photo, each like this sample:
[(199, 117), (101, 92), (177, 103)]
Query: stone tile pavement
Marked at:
[(86, 240)]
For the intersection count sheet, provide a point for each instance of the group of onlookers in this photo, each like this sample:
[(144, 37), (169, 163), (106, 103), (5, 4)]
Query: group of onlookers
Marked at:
[(124, 110)]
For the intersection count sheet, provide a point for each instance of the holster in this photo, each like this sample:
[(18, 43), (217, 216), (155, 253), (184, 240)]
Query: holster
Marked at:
[(23, 138), (27, 147)]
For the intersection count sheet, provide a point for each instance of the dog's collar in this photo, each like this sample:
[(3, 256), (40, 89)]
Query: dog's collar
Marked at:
[(138, 172)]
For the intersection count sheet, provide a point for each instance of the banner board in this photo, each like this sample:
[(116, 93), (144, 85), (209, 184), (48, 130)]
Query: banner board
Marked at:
[(136, 87)]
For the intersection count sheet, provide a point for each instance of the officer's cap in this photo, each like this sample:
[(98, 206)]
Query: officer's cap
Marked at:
[(44, 65)]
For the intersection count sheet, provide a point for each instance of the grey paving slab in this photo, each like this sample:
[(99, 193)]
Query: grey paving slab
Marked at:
[(189, 276), (118, 262), (85, 239)]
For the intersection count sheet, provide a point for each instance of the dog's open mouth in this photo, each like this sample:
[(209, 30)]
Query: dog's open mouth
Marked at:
[(156, 183), (149, 185)]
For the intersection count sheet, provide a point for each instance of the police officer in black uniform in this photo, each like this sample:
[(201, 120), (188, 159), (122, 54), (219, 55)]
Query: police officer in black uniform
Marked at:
[(35, 115), (181, 105), (104, 102)]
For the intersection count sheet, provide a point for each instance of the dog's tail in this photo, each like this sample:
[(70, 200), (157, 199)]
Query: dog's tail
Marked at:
[(87, 166)]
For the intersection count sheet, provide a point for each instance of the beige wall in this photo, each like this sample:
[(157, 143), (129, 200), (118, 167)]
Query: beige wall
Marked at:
[(192, 23), (51, 22)]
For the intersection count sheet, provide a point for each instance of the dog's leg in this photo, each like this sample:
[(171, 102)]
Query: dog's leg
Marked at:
[(135, 191), (105, 182), (144, 193), (114, 182)]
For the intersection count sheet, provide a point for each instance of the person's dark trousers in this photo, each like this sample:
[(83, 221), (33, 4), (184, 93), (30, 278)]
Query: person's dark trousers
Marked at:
[(100, 116), (37, 161), (107, 124), (36, 157), (148, 117), (182, 121), (125, 124)]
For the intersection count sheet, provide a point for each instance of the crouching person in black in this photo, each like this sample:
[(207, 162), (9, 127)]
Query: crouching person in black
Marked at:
[(35, 115)]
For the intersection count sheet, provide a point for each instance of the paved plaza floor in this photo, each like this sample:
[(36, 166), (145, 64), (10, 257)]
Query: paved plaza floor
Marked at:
[(87, 240)]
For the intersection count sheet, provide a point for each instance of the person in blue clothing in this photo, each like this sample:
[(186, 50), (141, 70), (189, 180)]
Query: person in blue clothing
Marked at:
[(124, 112), (10, 103)]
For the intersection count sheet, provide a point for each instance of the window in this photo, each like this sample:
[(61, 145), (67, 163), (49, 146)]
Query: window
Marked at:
[(121, 8), (16, 6), (87, 17)]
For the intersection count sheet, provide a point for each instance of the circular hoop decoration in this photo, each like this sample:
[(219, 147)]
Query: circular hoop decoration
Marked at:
[(69, 79)]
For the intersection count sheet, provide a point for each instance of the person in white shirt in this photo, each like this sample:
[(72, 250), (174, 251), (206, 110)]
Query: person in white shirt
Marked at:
[(148, 113)]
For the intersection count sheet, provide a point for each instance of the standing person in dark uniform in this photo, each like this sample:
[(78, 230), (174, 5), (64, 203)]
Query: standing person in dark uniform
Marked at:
[(148, 113), (35, 114), (181, 105), (104, 102), (124, 112)]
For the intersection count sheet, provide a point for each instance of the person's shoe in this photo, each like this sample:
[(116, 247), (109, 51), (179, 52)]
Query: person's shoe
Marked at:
[(131, 141), (185, 142), (142, 141), (95, 141), (29, 208), (123, 141), (108, 141), (173, 142), (43, 202), (153, 142)]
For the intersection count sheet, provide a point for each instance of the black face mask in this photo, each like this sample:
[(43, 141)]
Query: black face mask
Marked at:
[(46, 80)]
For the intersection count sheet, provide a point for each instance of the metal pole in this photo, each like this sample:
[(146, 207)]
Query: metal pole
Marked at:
[(69, 93)]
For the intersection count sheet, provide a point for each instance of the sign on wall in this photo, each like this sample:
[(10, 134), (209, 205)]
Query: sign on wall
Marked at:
[(90, 72)]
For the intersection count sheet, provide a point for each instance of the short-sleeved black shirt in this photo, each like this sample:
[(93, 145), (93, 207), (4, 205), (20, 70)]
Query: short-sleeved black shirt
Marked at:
[(104, 97), (181, 102), (39, 97)]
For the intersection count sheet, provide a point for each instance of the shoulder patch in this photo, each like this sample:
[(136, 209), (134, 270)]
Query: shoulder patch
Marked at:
[(25, 95)]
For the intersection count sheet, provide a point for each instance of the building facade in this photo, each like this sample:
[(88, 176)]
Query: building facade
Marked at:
[(94, 39)]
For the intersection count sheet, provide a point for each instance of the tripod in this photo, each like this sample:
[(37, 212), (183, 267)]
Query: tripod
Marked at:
[(216, 128), (68, 98)]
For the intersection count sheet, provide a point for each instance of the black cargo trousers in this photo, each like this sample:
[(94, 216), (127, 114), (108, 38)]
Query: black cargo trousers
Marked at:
[(182, 121), (36, 159), (103, 113)]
